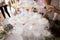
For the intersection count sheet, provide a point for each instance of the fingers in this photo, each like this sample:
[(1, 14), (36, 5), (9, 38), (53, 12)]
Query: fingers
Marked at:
[(49, 7)]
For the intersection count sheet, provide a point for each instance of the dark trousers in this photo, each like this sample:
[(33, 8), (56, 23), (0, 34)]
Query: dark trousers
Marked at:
[(5, 8)]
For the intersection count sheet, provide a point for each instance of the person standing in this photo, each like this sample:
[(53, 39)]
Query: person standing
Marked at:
[(3, 5), (55, 28)]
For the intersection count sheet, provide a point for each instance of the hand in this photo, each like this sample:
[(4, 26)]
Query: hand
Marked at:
[(49, 7)]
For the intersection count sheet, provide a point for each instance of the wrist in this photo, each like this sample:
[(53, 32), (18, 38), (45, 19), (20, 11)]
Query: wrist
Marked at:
[(54, 9)]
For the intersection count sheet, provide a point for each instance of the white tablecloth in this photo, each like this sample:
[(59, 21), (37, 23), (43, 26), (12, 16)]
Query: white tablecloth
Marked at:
[(29, 26)]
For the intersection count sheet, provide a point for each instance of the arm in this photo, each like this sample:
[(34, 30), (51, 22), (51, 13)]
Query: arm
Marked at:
[(47, 2), (57, 10)]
